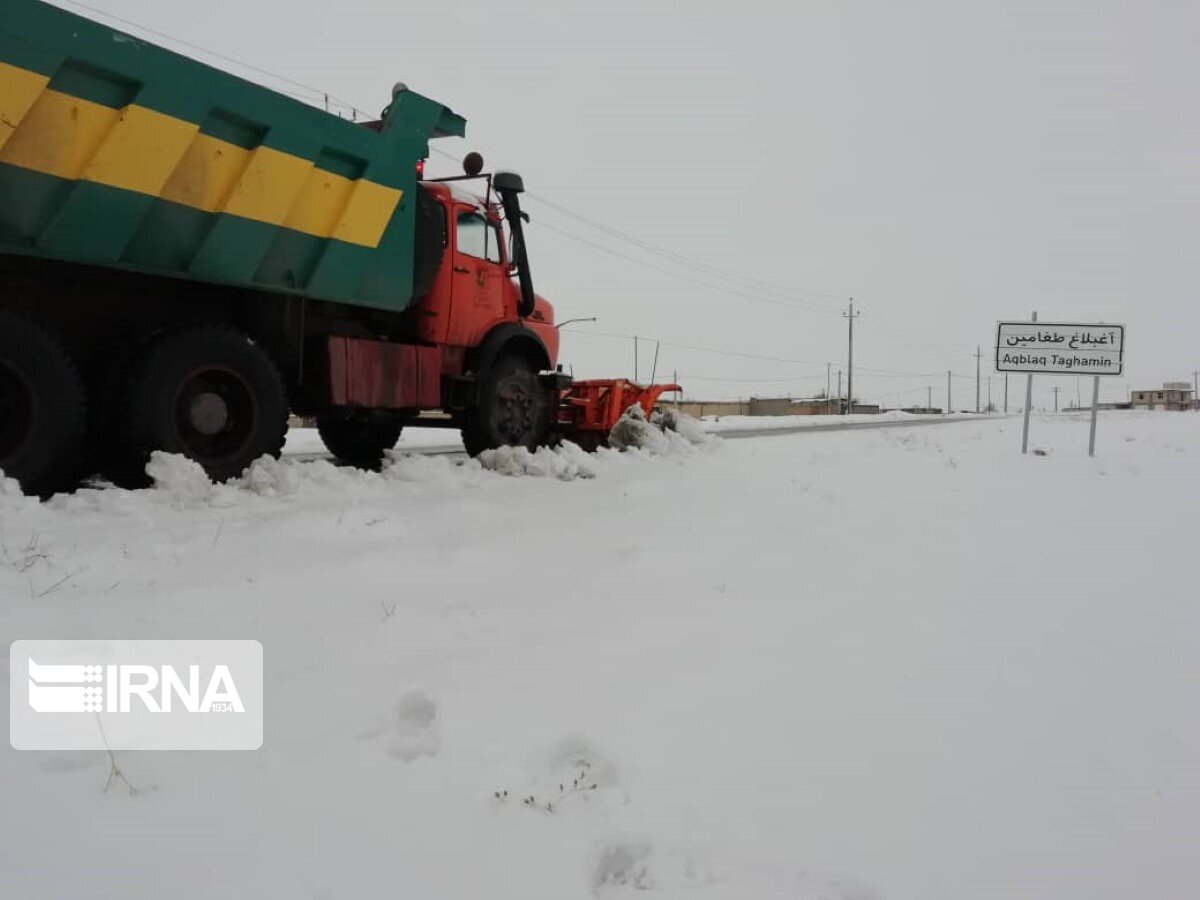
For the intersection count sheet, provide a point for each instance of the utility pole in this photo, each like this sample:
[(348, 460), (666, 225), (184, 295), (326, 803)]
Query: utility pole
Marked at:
[(928, 398), (1078, 395), (828, 396), (654, 369), (949, 408), (841, 409), (990, 394), (1055, 389), (1196, 389), (850, 317), (978, 357), (1006, 393)]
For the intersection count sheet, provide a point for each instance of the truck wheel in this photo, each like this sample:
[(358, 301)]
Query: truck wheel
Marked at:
[(207, 393), (357, 441), (43, 409), (510, 410)]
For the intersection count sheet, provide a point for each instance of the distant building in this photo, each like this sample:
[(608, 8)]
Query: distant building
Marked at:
[(770, 406), (1173, 395)]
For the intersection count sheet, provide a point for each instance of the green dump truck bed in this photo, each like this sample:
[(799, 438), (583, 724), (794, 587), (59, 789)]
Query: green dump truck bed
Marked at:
[(116, 152)]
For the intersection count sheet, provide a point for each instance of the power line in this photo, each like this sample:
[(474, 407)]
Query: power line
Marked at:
[(815, 376), (213, 53), (713, 287), (940, 345), (670, 255), (751, 380), (658, 250), (678, 346), (893, 373)]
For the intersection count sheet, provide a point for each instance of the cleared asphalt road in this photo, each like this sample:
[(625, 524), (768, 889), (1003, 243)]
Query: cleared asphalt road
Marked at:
[(849, 426), (810, 428)]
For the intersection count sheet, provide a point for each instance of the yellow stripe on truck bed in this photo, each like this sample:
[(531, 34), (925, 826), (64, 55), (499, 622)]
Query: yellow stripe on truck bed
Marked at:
[(142, 150)]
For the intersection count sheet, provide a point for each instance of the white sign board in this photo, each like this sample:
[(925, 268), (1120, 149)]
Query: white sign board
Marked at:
[(1056, 349)]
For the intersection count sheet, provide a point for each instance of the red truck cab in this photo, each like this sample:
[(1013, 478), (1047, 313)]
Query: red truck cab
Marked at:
[(476, 343), (474, 289)]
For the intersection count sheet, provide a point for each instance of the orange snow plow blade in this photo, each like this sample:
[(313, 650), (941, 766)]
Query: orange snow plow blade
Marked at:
[(589, 409)]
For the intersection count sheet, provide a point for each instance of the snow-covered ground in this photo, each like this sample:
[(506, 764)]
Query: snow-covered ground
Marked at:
[(905, 663)]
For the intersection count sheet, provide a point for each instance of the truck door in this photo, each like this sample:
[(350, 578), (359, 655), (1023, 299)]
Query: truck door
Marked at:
[(480, 286)]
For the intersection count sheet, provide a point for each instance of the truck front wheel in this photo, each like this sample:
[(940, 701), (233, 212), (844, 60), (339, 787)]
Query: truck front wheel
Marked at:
[(357, 441), (207, 393), (511, 408), (43, 409)]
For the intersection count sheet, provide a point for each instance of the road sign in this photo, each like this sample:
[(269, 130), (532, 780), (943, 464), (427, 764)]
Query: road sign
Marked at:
[(1058, 349)]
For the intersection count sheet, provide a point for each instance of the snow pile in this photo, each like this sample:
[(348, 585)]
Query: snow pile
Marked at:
[(185, 482), (688, 427), (417, 468), (184, 479), (565, 462), (270, 477), (666, 434), (11, 496)]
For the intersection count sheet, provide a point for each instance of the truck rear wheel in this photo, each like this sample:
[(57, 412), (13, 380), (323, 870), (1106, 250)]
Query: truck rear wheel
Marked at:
[(511, 408), (207, 393), (357, 441), (43, 408)]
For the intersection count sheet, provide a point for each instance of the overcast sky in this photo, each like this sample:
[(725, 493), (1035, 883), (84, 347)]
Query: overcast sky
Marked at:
[(947, 164)]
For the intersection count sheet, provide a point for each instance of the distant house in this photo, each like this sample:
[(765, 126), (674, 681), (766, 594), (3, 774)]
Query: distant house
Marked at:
[(770, 406), (1173, 395)]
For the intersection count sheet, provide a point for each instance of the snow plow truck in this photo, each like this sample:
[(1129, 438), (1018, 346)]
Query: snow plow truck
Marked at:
[(186, 258)]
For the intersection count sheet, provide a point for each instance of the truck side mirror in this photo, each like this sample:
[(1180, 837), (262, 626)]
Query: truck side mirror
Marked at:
[(506, 182)]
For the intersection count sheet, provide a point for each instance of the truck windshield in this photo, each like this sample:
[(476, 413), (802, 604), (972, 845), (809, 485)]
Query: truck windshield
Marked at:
[(477, 238)]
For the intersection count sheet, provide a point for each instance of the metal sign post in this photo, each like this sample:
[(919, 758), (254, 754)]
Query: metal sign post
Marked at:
[(1028, 402), (1060, 349), (1095, 406)]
